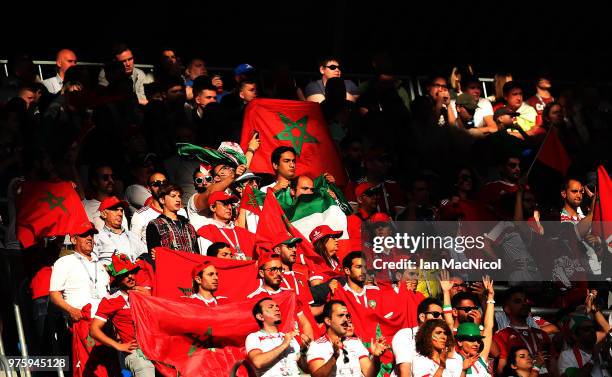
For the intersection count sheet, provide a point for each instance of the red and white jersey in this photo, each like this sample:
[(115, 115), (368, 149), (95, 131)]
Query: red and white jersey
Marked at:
[(241, 241), (216, 300), (296, 281), (286, 364), (369, 297), (567, 218), (322, 349), (116, 308)]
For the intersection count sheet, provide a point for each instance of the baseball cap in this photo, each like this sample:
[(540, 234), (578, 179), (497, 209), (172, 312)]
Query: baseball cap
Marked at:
[(322, 231), (243, 68), (247, 176), (221, 196), (366, 188), (267, 257), (285, 238), (199, 268), (379, 217), (504, 111), (86, 227), (468, 330), (112, 201), (467, 101)]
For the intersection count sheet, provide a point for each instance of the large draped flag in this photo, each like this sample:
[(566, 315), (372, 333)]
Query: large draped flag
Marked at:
[(602, 213), (189, 339), (553, 154), (173, 274), (48, 209), (297, 124)]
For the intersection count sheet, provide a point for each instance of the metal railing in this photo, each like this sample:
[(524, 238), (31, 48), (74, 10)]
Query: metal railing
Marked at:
[(414, 84)]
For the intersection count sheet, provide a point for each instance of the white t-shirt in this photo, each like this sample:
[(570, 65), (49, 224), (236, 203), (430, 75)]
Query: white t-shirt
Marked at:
[(484, 109), (141, 219), (567, 359), (286, 364), (404, 345), (266, 187), (322, 349), (455, 366), (91, 208), (81, 281), (425, 367)]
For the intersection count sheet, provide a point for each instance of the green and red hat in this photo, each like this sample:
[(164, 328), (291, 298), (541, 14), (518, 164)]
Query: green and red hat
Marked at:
[(120, 267)]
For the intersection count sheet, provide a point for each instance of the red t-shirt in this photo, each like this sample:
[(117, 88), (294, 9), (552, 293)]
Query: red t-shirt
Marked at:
[(40, 282), (297, 282), (539, 103), (116, 307), (533, 339), (353, 226)]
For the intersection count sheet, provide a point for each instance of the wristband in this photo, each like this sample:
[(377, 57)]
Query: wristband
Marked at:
[(447, 307), (490, 301), (251, 150)]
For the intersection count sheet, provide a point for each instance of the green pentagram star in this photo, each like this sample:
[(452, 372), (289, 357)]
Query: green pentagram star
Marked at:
[(296, 141), (54, 201), (252, 200)]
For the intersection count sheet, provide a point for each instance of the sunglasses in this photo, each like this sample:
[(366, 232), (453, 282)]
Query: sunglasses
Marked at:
[(107, 177), (435, 314), (332, 67), (467, 309), (200, 180), (158, 183), (274, 269), (443, 86)]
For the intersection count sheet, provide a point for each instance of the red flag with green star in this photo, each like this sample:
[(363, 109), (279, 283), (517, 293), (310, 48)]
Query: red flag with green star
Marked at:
[(297, 124), (47, 209)]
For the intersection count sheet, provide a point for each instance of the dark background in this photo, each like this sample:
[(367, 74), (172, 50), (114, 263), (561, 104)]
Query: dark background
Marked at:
[(570, 40)]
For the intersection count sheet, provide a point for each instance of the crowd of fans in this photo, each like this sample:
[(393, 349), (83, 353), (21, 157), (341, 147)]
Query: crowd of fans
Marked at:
[(448, 155)]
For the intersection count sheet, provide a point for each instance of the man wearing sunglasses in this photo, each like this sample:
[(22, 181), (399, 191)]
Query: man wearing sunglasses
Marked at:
[(270, 275), (465, 309), (102, 182), (152, 208), (329, 67), (403, 344), (337, 354)]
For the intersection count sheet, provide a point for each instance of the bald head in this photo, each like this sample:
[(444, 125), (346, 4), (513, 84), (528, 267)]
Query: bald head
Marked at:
[(64, 60)]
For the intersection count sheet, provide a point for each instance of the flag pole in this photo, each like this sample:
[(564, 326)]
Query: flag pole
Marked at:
[(535, 158)]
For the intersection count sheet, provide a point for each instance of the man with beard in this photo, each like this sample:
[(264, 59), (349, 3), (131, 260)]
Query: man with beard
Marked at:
[(270, 351), (286, 246), (336, 354), (116, 308), (465, 309), (542, 97), (102, 181), (271, 283), (354, 266), (205, 283), (519, 334)]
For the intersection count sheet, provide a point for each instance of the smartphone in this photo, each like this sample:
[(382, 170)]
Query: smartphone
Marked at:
[(256, 134)]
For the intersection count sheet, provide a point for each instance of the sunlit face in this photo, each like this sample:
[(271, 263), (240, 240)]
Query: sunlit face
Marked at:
[(270, 313), (305, 185), (113, 217), (222, 210), (286, 165), (524, 361), (248, 92), (357, 272), (172, 202), (127, 59), (339, 320), (438, 339), (208, 279), (272, 273), (330, 69), (66, 59), (515, 98), (573, 194)]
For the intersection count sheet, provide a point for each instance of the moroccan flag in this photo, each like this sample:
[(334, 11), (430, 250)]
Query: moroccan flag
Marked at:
[(602, 213), (47, 209), (188, 339), (90, 358), (298, 124), (252, 200), (173, 274), (553, 154)]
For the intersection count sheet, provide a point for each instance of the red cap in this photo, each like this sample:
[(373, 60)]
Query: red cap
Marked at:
[(199, 268), (363, 187), (83, 228), (221, 196), (380, 217), (285, 238), (112, 201), (267, 257), (322, 231)]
